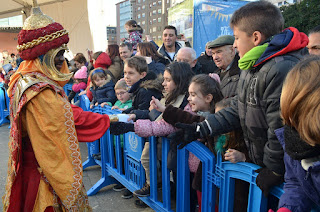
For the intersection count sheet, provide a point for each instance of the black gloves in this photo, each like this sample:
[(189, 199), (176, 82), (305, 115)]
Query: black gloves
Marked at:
[(118, 128), (266, 179), (186, 134)]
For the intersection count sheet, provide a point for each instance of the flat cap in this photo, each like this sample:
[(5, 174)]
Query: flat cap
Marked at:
[(221, 41)]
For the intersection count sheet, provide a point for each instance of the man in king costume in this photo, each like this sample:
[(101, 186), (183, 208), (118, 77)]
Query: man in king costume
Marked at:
[(44, 167)]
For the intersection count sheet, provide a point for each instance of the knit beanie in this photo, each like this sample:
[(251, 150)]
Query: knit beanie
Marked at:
[(81, 73)]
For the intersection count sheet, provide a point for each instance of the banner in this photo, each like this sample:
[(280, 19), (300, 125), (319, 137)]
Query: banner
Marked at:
[(211, 20)]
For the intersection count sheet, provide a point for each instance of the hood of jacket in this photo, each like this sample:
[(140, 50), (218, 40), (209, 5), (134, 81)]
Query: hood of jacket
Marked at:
[(150, 81), (288, 40), (103, 61)]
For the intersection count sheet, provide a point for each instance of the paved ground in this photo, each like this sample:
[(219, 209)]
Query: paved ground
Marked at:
[(105, 200)]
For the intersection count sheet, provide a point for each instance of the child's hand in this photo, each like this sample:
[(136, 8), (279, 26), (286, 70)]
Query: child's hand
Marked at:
[(234, 156), (83, 93), (155, 104), (91, 106), (104, 103), (96, 104), (115, 107), (132, 117)]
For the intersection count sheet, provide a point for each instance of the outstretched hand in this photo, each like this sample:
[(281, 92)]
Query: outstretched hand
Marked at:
[(156, 104), (118, 128)]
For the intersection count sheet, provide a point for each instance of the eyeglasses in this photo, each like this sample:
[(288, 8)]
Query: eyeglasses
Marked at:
[(121, 93)]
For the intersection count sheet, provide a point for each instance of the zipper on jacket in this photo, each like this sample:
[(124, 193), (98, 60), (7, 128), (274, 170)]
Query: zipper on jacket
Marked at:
[(307, 175)]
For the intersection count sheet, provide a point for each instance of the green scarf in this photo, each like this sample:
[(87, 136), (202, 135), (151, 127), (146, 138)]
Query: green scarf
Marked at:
[(250, 58)]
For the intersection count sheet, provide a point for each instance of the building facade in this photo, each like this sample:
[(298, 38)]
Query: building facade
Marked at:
[(111, 35), (152, 16), (124, 13)]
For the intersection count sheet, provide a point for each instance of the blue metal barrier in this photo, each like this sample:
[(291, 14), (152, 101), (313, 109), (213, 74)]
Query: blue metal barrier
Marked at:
[(84, 102), (67, 88), (4, 106), (215, 173)]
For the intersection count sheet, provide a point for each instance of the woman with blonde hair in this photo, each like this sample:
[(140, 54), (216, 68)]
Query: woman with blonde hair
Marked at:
[(300, 136)]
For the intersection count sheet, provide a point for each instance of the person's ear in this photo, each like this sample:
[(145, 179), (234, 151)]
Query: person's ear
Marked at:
[(257, 38), (209, 98), (143, 74), (194, 63)]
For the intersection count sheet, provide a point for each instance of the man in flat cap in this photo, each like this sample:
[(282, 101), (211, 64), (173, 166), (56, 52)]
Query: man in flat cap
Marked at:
[(226, 59), (206, 61)]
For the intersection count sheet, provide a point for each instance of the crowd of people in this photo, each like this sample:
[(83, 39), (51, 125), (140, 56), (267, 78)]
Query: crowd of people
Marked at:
[(253, 97)]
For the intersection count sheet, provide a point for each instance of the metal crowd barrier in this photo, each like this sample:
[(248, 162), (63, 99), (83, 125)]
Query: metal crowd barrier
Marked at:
[(4, 106)]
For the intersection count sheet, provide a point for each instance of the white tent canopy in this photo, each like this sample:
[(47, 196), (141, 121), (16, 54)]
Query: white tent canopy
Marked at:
[(11, 8)]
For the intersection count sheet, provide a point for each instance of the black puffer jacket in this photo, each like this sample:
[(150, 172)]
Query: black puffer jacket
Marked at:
[(256, 107)]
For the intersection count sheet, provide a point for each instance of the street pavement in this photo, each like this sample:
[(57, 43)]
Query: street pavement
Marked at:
[(105, 200)]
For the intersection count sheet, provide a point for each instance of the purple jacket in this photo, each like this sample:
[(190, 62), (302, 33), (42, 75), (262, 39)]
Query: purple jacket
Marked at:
[(301, 188)]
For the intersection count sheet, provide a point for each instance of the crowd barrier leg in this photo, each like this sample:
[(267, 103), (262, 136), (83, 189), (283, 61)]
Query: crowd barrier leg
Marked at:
[(183, 181), (105, 179)]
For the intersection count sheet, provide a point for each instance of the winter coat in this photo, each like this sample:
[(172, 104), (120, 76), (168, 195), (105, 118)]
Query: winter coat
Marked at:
[(301, 188), (197, 69), (135, 37), (163, 52), (104, 93), (229, 82), (116, 68), (103, 61), (76, 87), (207, 63), (142, 92), (255, 109)]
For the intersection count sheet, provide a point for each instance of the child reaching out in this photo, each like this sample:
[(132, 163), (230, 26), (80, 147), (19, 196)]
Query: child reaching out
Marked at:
[(135, 32), (102, 88), (176, 80), (124, 101)]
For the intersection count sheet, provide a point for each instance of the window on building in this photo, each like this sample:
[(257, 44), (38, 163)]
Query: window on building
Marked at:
[(150, 30), (159, 37), (159, 28), (279, 4), (154, 29), (168, 1), (159, 11), (143, 7), (154, 12), (154, 3), (154, 20), (150, 5), (150, 13), (139, 16), (112, 38), (139, 1), (139, 8), (159, 2), (159, 20), (154, 37), (150, 22), (139, 23), (143, 22), (143, 15)]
